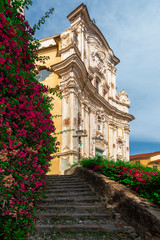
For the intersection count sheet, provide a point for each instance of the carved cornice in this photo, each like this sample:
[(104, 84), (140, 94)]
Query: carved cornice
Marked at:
[(123, 104), (40, 67), (71, 64), (67, 153), (95, 71), (48, 42), (74, 64), (70, 46)]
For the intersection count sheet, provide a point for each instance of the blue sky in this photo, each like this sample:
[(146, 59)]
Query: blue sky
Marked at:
[(132, 29)]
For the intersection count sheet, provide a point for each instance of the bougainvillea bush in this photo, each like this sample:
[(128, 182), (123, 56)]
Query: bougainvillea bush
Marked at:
[(26, 128), (143, 181)]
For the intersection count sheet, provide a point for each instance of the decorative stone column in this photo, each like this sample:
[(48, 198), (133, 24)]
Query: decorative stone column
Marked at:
[(82, 32), (86, 141), (69, 152), (106, 135), (126, 132), (112, 141), (92, 131)]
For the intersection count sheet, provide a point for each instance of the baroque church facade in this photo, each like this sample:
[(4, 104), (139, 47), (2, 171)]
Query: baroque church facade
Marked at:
[(82, 67)]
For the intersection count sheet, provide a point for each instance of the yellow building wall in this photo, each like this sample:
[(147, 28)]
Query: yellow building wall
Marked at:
[(148, 161), (154, 164), (53, 81), (143, 161)]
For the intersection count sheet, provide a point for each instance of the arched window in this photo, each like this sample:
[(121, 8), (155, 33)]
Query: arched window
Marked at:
[(97, 85), (43, 74)]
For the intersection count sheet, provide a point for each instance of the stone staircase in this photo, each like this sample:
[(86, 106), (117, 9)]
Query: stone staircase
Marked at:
[(72, 210)]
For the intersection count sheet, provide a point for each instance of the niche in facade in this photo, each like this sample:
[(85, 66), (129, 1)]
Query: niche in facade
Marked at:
[(42, 75)]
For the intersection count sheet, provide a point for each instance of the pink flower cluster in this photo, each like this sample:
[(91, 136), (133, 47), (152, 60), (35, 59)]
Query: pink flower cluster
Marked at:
[(25, 122)]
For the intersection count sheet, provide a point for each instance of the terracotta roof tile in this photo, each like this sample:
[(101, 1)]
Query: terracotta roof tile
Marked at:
[(147, 155)]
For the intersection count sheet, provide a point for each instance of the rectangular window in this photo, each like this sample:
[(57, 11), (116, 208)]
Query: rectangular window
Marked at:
[(155, 167), (98, 152), (138, 163)]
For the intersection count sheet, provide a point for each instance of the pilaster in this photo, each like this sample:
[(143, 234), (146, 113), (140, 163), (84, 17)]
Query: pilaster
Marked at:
[(127, 154)]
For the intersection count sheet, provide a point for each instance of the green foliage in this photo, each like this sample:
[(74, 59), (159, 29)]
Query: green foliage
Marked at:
[(42, 20), (74, 164), (26, 128), (143, 181)]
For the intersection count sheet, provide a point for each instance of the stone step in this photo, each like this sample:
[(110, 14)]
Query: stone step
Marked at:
[(82, 236), (67, 186), (80, 202), (85, 193), (62, 177), (73, 198), (69, 191), (71, 207), (109, 227), (67, 182), (72, 215), (75, 206), (73, 210), (69, 221)]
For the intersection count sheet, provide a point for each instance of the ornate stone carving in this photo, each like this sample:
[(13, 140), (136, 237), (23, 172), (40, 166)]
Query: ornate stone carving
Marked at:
[(112, 85), (85, 131), (65, 91), (98, 61), (66, 77), (100, 144), (119, 149), (66, 98), (67, 38), (123, 97), (47, 43), (66, 148), (66, 122), (92, 146), (75, 121), (75, 36)]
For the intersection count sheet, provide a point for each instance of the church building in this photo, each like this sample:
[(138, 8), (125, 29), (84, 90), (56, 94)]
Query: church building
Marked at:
[(82, 67)]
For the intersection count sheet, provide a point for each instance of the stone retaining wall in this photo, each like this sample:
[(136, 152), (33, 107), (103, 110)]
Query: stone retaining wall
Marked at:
[(143, 216)]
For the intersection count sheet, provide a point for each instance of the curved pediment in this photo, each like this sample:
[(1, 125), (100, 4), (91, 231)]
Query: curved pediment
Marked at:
[(80, 16)]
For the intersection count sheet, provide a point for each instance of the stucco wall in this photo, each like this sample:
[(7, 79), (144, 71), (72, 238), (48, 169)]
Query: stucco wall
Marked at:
[(53, 81), (144, 162)]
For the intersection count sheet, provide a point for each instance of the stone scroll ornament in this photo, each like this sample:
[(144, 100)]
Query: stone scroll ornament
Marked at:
[(98, 59), (123, 97), (67, 38)]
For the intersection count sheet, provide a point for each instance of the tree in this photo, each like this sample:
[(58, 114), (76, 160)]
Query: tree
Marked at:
[(26, 125)]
